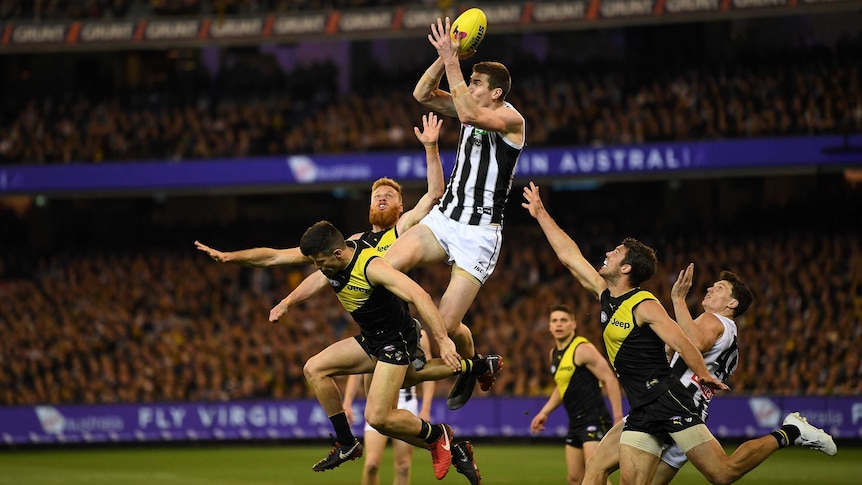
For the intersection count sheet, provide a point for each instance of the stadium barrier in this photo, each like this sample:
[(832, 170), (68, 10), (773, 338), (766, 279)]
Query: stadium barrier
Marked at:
[(642, 160), (503, 417)]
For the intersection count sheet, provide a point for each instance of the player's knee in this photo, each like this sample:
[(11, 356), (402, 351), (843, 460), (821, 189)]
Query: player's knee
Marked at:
[(718, 475), (310, 369), (402, 469), (376, 421), (372, 468)]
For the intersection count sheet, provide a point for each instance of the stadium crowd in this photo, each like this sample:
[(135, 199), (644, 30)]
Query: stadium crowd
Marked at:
[(251, 108), (108, 325), (39, 10)]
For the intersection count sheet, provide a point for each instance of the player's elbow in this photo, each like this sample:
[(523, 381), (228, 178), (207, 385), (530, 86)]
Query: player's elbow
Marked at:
[(436, 194), (421, 95), (468, 117)]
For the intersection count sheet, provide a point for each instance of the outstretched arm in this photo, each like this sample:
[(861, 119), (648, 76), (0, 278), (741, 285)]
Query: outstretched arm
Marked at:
[(428, 387), (428, 92), (650, 312), (309, 287), (428, 136), (702, 332), (257, 257), (587, 355), (380, 272), (554, 401), (504, 120), (567, 251)]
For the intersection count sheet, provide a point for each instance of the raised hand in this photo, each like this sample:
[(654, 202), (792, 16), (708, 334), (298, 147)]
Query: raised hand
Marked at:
[(430, 129), (447, 48), (683, 283), (213, 253), (533, 202)]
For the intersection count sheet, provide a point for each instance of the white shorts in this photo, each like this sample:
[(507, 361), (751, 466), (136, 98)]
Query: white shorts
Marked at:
[(674, 456), (407, 400), (475, 249)]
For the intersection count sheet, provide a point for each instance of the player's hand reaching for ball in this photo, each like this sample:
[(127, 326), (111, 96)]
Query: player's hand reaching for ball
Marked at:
[(533, 200), (682, 283), (430, 132), (447, 47), (213, 253)]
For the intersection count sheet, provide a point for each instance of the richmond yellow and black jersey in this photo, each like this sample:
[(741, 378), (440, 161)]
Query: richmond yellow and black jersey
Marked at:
[(578, 387), (375, 309), (636, 352), (380, 240)]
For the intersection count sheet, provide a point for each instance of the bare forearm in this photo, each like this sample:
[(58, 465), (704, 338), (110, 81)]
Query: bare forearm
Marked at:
[(684, 320), (465, 105), (263, 257), (430, 317), (554, 402), (309, 287), (615, 397), (690, 354), (429, 82), (434, 172), (567, 250)]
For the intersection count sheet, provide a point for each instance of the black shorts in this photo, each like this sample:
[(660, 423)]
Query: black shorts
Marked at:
[(393, 347), (671, 412), (589, 427)]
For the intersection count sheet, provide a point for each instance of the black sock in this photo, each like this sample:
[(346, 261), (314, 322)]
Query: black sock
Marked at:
[(430, 432), (786, 435), (342, 429), (480, 366)]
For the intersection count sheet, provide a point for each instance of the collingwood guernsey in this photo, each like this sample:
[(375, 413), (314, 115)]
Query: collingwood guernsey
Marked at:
[(479, 185)]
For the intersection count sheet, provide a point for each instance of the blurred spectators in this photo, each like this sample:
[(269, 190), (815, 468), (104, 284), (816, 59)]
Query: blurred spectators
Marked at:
[(38, 10), (112, 325), (252, 108)]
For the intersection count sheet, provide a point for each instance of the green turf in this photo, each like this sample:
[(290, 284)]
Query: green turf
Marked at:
[(289, 465)]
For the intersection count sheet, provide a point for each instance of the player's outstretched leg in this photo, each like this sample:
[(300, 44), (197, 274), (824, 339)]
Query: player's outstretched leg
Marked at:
[(811, 436), (495, 365), (441, 451), (462, 391), (338, 455), (465, 464), (480, 368)]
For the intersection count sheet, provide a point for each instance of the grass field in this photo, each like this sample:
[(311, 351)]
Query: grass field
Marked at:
[(291, 465)]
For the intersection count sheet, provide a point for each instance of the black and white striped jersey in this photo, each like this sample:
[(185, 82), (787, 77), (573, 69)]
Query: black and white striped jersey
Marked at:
[(721, 360), (480, 182)]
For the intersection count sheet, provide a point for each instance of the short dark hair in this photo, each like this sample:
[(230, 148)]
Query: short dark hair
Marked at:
[(562, 307), (641, 258), (322, 237), (739, 291), (498, 76)]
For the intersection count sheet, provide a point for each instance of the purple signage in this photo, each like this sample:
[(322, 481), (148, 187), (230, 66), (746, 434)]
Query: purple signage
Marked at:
[(730, 416), (573, 162)]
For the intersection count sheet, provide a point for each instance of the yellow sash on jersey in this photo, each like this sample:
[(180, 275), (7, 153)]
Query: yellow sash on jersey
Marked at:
[(566, 368)]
